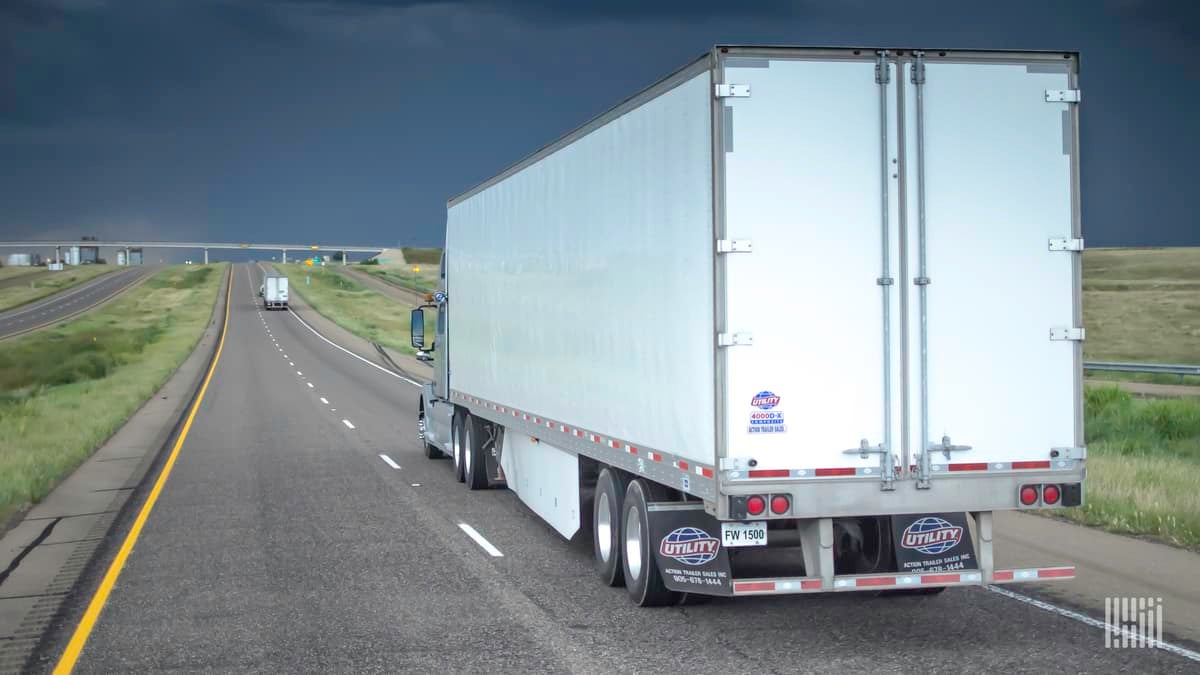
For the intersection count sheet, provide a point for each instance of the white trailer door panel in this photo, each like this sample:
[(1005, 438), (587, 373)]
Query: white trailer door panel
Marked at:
[(997, 188), (805, 183)]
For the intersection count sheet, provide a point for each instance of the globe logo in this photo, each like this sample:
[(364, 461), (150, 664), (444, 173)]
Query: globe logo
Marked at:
[(690, 546), (931, 535), (764, 400)]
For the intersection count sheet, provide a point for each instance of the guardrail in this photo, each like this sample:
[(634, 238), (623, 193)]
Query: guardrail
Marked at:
[(1163, 368)]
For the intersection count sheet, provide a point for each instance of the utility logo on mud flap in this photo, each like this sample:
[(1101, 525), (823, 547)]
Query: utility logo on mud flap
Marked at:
[(931, 536), (690, 546), (766, 416)]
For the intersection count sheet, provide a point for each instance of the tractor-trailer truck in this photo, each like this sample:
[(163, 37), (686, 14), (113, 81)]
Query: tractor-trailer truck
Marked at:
[(274, 291), (788, 321)]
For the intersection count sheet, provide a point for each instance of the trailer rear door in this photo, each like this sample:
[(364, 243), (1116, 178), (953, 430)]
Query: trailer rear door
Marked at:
[(808, 188), (989, 152)]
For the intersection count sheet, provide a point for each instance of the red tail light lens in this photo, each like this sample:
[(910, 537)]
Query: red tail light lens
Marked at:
[(1029, 495), (780, 504), (1050, 494), (756, 505)]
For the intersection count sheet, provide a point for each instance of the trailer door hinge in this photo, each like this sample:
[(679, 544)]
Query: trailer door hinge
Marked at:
[(734, 339), (735, 245), (1062, 96), (1066, 334), (732, 91), (1068, 453), (1066, 244)]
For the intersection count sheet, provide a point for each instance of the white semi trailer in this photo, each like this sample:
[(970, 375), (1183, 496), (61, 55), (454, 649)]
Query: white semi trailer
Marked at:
[(790, 320)]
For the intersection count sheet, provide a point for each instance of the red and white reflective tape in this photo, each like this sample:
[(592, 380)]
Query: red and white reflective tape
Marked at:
[(894, 581), (873, 471), (595, 438)]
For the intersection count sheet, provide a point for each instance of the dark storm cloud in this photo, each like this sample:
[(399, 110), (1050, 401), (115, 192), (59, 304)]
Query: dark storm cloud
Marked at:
[(356, 119)]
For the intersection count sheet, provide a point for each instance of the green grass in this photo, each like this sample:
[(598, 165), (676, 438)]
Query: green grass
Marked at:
[(426, 280), (1142, 305), (66, 389), (352, 306), (422, 256), (14, 296), (10, 272), (1143, 462)]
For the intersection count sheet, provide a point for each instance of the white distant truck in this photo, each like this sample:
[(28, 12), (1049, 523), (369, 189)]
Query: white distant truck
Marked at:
[(788, 321), (274, 291)]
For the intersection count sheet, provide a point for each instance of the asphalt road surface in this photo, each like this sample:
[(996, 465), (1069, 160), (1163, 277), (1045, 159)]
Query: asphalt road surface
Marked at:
[(68, 302), (302, 530)]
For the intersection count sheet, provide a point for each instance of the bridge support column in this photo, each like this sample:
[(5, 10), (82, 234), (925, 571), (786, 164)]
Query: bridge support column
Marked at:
[(128, 262), (285, 256), (343, 257), (205, 256), (57, 254)]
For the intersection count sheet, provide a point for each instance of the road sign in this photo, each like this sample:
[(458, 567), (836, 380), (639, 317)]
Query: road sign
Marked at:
[(308, 262)]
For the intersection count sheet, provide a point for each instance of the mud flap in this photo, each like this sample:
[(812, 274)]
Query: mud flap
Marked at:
[(687, 546), (933, 542)]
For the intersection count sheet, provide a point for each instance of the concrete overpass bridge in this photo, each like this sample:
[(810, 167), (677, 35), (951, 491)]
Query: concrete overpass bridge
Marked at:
[(58, 244)]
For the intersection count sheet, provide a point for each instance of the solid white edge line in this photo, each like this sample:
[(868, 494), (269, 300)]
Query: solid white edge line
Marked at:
[(389, 461), (347, 423), (483, 543), (333, 344), (1094, 623)]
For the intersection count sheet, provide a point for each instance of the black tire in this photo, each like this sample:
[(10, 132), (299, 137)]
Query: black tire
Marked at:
[(457, 434), (431, 450), (644, 584), (606, 536), (475, 464)]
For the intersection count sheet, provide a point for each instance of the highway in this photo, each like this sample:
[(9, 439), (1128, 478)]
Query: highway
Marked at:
[(68, 302), (302, 530)]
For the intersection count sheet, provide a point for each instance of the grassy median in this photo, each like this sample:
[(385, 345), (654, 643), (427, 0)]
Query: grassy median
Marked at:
[(65, 390), (13, 296), (1143, 459), (351, 305)]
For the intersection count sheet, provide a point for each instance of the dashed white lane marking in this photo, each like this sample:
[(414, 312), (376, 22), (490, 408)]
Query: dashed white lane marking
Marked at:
[(324, 401), (309, 385), (347, 423), (299, 373), (291, 364), (389, 462), (483, 543), (1094, 623), (337, 346)]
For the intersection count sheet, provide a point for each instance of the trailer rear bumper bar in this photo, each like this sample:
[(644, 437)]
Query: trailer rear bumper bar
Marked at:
[(884, 582)]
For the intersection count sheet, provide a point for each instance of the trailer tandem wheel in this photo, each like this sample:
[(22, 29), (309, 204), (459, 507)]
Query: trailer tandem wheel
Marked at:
[(606, 525), (642, 577)]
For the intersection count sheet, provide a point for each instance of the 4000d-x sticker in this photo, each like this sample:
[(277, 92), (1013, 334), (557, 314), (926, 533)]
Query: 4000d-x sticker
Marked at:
[(766, 416)]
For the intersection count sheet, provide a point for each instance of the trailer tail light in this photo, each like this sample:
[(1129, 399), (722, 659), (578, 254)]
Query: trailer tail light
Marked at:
[(1029, 495), (780, 504), (1050, 494), (756, 505)]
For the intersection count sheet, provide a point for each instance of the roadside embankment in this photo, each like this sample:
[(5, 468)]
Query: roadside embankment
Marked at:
[(66, 389)]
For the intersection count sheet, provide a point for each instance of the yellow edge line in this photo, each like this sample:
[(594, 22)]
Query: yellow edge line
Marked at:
[(67, 662)]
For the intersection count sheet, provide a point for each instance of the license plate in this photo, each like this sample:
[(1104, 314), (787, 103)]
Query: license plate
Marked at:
[(744, 534)]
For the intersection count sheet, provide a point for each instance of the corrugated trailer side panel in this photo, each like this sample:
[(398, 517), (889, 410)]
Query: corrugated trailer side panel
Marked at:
[(581, 285)]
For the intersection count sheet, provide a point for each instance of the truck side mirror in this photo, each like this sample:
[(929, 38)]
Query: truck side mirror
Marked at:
[(417, 327)]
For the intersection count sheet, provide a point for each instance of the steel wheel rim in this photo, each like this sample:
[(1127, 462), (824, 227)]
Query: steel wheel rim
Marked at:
[(467, 452), (604, 528), (457, 446), (633, 543)]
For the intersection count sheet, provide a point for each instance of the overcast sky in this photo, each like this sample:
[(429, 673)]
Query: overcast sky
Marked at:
[(353, 121)]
